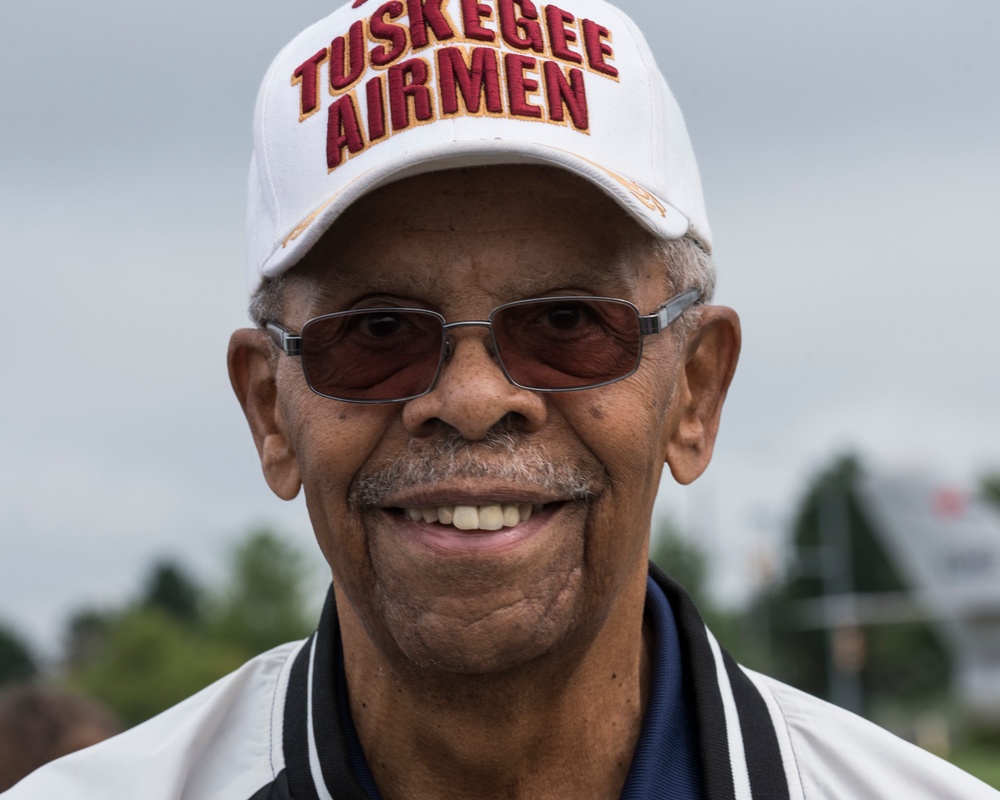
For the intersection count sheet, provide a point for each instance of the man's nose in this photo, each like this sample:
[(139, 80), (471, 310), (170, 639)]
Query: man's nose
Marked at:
[(472, 393)]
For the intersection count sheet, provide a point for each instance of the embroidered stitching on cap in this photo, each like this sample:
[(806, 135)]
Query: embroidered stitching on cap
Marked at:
[(519, 63), (641, 193)]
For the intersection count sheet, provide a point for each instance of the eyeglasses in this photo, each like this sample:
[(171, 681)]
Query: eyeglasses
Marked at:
[(545, 344)]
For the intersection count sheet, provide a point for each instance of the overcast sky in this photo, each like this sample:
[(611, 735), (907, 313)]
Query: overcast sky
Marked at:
[(851, 166)]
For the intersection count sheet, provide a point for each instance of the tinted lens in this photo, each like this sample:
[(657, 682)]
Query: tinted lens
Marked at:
[(567, 343), (372, 355)]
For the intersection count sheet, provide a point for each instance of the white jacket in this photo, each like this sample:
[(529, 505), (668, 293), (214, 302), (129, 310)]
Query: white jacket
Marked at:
[(258, 733)]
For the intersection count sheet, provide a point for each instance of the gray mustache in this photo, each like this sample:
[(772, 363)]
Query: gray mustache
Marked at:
[(503, 456)]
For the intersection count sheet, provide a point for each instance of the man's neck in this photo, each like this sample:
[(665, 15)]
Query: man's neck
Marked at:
[(550, 729)]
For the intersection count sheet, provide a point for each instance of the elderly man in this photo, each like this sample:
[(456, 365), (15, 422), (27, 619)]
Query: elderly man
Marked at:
[(481, 288)]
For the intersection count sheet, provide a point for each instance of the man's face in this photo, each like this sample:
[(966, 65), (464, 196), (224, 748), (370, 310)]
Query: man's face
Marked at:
[(575, 472)]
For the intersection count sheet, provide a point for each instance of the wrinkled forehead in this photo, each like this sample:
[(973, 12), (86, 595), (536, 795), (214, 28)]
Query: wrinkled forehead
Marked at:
[(533, 228)]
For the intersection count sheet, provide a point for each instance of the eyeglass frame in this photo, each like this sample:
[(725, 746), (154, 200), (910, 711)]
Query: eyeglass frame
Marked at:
[(649, 324)]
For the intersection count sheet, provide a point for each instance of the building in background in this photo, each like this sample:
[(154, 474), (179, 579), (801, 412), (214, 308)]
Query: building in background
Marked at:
[(945, 543), (891, 602)]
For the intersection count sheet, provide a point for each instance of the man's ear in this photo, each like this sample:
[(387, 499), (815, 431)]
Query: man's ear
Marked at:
[(252, 372), (710, 357)]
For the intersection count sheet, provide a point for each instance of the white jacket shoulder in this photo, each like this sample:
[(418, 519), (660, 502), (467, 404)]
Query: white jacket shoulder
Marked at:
[(838, 755)]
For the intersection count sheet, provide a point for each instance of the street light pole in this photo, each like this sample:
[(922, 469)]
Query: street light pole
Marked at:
[(845, 641)]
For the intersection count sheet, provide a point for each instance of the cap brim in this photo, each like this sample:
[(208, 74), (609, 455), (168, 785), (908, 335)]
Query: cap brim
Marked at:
[(651, 212)]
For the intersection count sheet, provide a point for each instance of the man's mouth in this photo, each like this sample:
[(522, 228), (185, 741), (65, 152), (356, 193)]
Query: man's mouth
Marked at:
[(485, 517)]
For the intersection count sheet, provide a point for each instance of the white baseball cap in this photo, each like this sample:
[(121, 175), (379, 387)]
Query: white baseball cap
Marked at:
[(379, 91)]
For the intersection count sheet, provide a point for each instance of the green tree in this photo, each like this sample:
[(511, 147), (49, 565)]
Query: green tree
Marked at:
[(149, 661), (171, 589), (264, 603), (16, 661), (991, 487), (174, 638)]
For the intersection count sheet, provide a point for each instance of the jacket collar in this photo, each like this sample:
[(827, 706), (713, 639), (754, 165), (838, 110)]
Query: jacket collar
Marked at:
[(740, 755)]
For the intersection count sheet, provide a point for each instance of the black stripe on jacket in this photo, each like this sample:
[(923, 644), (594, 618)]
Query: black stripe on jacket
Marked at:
[(760, 743)]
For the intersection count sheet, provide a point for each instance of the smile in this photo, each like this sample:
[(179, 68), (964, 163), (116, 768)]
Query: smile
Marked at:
[(484, 517)]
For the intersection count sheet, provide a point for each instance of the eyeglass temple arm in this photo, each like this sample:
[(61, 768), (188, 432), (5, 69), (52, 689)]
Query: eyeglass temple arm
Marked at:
[(668, 312), (288, 343)]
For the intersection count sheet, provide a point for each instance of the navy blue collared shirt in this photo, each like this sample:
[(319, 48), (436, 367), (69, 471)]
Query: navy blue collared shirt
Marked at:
[(666, 764)]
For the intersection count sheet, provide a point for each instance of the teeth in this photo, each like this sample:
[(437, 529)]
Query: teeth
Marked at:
[(490, 517), (466, 518)]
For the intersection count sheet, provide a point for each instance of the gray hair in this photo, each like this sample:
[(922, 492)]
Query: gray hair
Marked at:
[(688, 266), (267, 304), (505, 454)]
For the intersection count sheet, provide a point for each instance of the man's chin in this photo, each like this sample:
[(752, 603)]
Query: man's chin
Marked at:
[(476, 602), (488, 632)]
